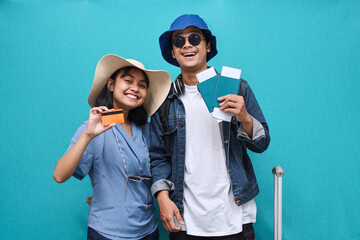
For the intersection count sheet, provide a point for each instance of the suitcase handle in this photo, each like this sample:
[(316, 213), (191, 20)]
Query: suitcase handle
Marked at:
[(278, 174)]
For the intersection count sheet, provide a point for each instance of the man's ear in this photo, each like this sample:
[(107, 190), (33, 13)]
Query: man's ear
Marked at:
[(110, 84), (208, 47)]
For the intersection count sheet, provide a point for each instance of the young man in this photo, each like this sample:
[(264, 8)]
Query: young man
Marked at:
[(203, 178)]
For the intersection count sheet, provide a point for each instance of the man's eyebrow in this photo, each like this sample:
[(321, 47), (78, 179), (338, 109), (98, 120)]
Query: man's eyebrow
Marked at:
[(195, 31)]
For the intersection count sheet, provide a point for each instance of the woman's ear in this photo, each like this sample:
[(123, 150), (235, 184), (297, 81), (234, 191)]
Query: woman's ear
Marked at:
[(110, 84), (173, 54)]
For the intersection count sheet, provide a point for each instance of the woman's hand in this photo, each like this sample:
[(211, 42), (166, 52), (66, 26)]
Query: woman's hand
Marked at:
[(95, 126)]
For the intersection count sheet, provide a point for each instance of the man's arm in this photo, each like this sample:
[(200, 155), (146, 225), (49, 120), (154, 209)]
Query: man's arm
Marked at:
[(253, 129), (160, 163), (260, 139), (161, 171)]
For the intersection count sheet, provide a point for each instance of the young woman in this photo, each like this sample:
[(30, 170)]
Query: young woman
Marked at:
[(116, 156)]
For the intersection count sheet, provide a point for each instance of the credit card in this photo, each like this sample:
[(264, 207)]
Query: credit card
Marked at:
[(112, 117)]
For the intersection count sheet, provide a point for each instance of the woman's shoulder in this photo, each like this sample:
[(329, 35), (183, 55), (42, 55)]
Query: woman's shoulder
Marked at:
[(146, 132), (146, 128), (80, 129)]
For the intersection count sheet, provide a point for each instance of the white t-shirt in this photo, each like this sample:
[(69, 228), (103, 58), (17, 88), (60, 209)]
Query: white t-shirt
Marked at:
[(209, 206)]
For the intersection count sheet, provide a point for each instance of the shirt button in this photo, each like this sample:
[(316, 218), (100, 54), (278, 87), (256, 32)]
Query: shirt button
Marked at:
[(181, 151)]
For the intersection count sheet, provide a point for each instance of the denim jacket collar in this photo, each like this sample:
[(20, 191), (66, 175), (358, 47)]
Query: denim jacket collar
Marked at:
[(178, 87)]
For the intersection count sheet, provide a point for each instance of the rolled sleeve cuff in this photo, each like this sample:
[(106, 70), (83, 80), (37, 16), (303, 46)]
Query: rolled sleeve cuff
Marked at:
[(258, 131), (79, 173), (160, 185)]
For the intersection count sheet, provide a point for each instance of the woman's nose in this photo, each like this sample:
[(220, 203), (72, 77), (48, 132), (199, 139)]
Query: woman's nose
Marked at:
[(134, 88)]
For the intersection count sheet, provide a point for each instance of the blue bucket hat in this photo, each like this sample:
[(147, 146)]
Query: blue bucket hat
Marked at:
[(181, 23)]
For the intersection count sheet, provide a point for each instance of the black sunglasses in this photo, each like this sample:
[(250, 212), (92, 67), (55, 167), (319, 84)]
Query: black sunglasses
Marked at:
[(194, 39)]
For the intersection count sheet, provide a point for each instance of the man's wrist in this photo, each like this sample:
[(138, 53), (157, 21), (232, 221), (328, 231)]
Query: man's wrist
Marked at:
[(248, 120), (248, 125), (162, 194)]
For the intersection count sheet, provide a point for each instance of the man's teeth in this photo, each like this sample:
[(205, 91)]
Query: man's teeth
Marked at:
[(189, 54)]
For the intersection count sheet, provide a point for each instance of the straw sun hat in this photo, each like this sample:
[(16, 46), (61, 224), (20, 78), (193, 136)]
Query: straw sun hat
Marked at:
[(159, 81)]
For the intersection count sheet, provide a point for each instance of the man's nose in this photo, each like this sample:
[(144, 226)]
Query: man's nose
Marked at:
[(187, 43)]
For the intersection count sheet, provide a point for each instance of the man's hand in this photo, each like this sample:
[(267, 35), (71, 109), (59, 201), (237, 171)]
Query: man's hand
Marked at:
[(235, 104), (88, 200), (168, 210)]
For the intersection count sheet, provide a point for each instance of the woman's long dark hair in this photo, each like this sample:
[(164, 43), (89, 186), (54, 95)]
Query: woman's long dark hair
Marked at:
[(137, 115)]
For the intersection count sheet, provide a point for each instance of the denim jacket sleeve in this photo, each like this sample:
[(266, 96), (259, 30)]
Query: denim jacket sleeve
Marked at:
[(160, 162), (261, 138)]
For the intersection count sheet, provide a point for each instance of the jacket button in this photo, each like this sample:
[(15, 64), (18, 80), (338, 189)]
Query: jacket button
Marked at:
[(181, 151), (181, 124), (238, 201), (180, 179)]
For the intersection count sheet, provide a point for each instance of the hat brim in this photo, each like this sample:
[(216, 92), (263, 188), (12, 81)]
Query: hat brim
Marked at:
[(159, 81)]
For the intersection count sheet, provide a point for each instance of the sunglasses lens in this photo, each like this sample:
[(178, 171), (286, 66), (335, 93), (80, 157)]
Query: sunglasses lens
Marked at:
[(179, 41), (194, 39)]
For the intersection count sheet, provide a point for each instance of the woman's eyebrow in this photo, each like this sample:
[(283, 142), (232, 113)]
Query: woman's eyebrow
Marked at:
[(127, 74), (144, 81)]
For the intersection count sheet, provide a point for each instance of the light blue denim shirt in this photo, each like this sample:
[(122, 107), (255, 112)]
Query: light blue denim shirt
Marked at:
[(103, 161), (168, 171)]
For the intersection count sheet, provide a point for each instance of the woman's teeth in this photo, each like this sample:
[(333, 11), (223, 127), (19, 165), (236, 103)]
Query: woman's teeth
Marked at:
[(131, 96)]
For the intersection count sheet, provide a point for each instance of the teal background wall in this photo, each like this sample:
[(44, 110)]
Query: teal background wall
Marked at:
[(301, 58)]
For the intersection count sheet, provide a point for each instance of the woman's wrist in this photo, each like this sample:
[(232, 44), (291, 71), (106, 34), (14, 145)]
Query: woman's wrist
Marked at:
[(87, 137)]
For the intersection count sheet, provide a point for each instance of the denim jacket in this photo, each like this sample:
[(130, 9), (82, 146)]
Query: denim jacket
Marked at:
[(168, 171)]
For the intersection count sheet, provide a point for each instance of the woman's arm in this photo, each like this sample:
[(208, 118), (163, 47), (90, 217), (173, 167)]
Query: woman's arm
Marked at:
[(67, 164)]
